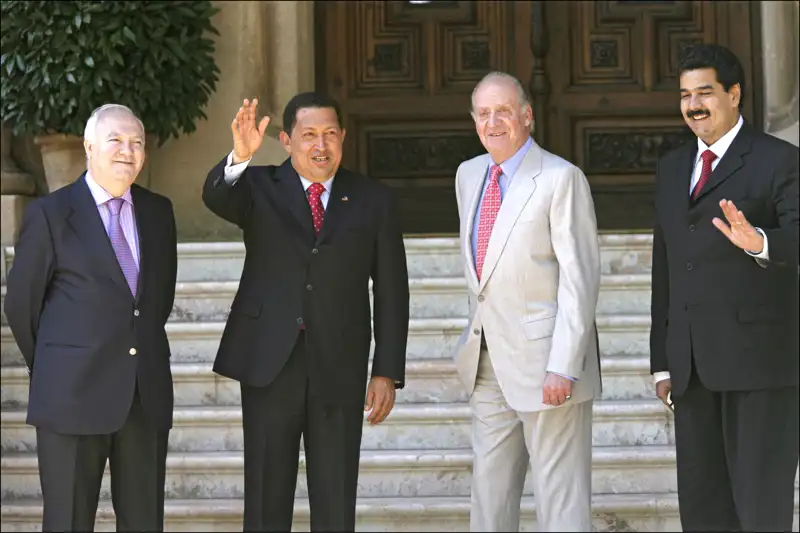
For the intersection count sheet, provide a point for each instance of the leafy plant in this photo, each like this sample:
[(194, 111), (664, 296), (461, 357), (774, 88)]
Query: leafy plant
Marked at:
[(61, 60)]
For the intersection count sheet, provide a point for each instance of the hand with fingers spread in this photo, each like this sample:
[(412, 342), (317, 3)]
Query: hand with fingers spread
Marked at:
[(557, 389), (246, 137), (380, 399), (740, 232)]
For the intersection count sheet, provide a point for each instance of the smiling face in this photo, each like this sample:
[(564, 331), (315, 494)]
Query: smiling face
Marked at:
[(115, 153), (502, 121), (708, 109), (315, 144)]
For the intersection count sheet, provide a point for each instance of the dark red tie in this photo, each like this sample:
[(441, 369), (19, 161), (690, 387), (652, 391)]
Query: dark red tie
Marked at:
[(708, 157), (315, 191)]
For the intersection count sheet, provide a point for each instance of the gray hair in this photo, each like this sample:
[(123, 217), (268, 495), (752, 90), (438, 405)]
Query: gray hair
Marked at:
[(497, 76), (94, 118)]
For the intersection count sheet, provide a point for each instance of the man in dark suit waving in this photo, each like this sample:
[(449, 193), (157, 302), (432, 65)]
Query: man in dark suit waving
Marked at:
[(89, 294), (724, 339), (298, 336)]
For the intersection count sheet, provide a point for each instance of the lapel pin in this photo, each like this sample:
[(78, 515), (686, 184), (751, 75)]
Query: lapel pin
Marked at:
[(345, 198)]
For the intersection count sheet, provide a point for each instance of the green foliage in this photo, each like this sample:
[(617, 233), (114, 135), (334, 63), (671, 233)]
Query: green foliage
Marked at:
[(61, 60)]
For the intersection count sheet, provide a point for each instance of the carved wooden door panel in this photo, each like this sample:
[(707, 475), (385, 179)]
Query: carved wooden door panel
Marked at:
[(403, 72), (612, 105)]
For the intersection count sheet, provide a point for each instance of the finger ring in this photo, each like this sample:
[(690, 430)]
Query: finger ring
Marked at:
[(738, 223), (568, 396)]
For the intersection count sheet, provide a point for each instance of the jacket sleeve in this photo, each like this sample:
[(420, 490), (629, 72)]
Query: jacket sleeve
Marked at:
[(391, 298), (659, 297), (783, 240), (29, 279), (231, 202), (573, 233)]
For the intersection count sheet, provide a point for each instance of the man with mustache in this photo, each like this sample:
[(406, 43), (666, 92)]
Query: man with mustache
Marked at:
[(298, 336), (528, 357), (724, 338), (89, 295)]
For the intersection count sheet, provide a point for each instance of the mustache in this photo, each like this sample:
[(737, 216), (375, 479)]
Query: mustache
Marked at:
[(697, 112)]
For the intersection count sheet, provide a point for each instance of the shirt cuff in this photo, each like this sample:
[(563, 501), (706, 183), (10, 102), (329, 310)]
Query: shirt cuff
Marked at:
[(564, 376), (764, 255), (234, 172), (660, 376)]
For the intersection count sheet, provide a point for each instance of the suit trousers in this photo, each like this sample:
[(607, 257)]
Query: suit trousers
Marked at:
[(273, 420), (737, 455), (71, 471), (557, 443)]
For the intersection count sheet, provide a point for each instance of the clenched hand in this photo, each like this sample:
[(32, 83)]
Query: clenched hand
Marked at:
[(556, 389), (380, 399)]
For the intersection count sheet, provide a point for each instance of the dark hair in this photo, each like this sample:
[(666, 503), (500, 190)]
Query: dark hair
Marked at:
[(306, 100), (726, 65)]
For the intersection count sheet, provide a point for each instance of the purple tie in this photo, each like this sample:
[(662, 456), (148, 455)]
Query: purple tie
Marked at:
[(120, 245)]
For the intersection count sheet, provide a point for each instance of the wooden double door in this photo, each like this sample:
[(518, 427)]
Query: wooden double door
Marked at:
[(601, 75)]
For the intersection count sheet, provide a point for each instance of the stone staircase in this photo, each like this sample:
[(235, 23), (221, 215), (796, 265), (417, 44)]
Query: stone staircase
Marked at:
[(416, 466)]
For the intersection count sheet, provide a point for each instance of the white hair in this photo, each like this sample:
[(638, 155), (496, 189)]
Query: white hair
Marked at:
[(503, 77), (91, 124)]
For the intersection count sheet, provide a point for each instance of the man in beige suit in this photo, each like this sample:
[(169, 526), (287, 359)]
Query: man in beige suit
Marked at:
[(529, 355)]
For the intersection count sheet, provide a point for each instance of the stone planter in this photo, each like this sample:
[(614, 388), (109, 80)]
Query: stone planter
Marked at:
[(63, 157)]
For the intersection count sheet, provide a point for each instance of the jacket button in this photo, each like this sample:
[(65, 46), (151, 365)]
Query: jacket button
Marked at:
[(299, 320), (481, 298), (476, 331), (309, 287), (132, 351), (691, 227), (135, 312), (689, 266), (315, 251)]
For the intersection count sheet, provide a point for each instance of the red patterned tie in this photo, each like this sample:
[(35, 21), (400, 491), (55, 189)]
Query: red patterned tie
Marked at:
[(315, 201), (489, 209), (708, 157)]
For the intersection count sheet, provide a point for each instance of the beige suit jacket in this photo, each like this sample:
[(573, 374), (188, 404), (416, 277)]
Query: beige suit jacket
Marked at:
[(537, 297)]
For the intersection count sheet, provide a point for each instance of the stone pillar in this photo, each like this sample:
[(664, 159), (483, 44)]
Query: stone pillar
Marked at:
[(17, 189), (779, 22)]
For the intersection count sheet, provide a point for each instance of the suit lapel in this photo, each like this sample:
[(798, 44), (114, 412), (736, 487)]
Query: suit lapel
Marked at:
[(85, 221), (683, 172), (475, 181), (339, 205), (731, 161), (293, 196), (147, 230), (519, 192)]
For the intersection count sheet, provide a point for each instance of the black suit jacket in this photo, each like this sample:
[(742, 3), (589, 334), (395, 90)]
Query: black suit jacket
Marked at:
[(75, 320), (711, 301), (291, 277)]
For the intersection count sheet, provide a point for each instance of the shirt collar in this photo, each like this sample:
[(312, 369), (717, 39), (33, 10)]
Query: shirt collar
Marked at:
[(101, 195), (512, 164), (328, 184), (721, 146)]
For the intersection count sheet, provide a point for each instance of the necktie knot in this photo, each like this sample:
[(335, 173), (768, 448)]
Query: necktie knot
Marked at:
[(316, 189), (494, 173), (708, 156), (115, 206)]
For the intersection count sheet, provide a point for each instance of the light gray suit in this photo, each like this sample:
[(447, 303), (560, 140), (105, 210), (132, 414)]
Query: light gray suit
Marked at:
[(535, 305)]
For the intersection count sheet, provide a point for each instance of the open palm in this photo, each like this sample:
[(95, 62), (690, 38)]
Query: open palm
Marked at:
[(246, 137)]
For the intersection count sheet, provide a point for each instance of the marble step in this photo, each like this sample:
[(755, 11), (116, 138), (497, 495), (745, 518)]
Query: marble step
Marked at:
[(427, 380), (611, 512), (383, 474), (427, 426), (430, 298), (425, 256), (429, 338)]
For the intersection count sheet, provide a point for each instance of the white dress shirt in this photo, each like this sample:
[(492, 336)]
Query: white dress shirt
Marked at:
[(719, 148), (127, 217), (234, 172)]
